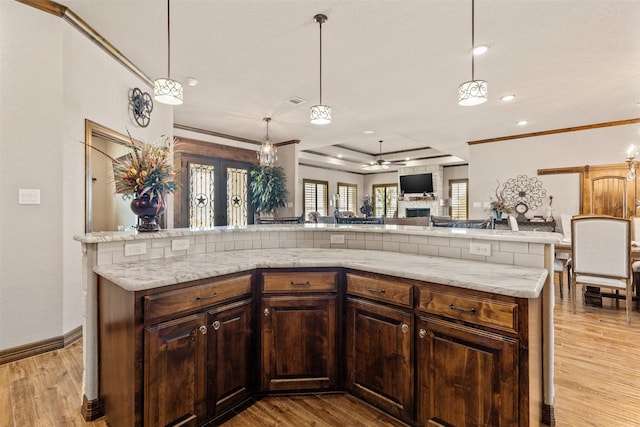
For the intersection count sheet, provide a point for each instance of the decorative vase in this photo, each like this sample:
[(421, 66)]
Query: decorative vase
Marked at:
[(497, 215), (147, 211)]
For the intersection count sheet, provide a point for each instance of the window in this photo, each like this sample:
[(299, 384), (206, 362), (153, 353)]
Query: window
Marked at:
[(459, 190), (348, 197), (315, 197), (385, 200)]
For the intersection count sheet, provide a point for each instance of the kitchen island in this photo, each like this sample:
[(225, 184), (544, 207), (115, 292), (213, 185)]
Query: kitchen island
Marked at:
[(513, 270)]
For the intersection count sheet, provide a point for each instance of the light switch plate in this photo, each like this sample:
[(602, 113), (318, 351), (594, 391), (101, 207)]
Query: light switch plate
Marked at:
[(483, 249), (131, 249), (179, 244), (28, 196), (337, 238)]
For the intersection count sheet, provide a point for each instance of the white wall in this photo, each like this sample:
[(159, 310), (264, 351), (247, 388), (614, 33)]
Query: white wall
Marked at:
[(52, 78), (508, 159)]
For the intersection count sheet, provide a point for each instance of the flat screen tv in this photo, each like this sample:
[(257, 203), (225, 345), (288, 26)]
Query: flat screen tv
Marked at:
[(420, 183)]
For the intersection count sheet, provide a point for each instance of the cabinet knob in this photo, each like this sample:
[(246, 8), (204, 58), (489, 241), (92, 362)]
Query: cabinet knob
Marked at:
[(405, 328), (203, 329), (266, 312), (422, 333), (216, 325)]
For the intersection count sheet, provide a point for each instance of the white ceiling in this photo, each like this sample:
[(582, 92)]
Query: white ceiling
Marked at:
[(389, 66)]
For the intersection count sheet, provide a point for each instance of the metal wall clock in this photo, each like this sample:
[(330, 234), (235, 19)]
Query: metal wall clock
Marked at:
[(140, 106)]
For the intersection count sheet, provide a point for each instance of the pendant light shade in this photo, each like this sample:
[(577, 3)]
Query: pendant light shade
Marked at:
[(320, 114), (267, 153), (167, 90), (473, 92)]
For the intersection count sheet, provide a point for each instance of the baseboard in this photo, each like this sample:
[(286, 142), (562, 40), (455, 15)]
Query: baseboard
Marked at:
[(91, 409), (548, 415), (39, 347)]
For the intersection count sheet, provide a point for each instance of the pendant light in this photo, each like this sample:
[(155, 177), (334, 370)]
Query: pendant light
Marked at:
[(267, 153), (473, 92), (166, 90), (320, 114)]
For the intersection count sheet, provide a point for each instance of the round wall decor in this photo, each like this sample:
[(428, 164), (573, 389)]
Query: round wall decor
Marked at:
[(140, 106)]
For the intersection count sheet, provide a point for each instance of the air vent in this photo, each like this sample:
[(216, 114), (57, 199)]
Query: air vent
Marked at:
[(296, 101)]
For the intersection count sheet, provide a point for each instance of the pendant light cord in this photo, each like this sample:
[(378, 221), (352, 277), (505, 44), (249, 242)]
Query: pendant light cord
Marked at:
[(320, 21), (472, 39), (168, 39)]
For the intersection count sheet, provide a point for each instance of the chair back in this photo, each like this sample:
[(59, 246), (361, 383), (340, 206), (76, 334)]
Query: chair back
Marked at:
[(513, 223), (635, 230), (601, 246), (566, 228), (360, 220)]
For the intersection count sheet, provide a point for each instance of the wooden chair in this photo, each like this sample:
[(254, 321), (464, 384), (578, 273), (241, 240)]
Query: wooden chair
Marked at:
[(563, 260), (601, 249)]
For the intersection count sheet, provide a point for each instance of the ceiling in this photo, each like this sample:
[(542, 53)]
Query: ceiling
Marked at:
[(391, 67)]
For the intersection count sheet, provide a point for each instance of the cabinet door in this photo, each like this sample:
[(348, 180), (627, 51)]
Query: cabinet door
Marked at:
[(299, 343), (174, 372), (466, 376), (380, 356), (230, 360)]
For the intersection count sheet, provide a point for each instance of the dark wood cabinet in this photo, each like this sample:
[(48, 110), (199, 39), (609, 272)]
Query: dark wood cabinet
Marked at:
[(467, 351), (379, 345), (179, 355), (298, 331), (230, 365), (466, 376), (428, 354), (174, 371)]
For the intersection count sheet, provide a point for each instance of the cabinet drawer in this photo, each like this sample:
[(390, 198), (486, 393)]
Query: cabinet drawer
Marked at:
[(380, 289), (481, 311), (313, 281), (195, 297)]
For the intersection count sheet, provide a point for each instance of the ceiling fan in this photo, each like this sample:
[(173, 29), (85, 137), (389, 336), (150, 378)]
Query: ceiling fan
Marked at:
[(384, 164)]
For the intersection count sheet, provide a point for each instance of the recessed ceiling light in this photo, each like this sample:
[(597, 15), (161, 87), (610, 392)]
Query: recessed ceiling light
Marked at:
[(480, 49), (339, 156), (522, 122), (372, 163), (406, 159), (508, 97), (191, 81), (368, 132)]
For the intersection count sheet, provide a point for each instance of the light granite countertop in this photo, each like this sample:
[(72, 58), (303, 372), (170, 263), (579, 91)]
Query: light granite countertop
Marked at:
[(460, 233), (518, 281)]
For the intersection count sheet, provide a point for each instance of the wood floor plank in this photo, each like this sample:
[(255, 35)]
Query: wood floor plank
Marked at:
[(6, 409)]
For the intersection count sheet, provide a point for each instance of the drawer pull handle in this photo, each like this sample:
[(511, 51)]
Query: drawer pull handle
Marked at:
[(405, 328), (266, 312), (422, 333), (465, 310), (377, 291), (300, 283), (213, 295), (216, 325), (203, 329)]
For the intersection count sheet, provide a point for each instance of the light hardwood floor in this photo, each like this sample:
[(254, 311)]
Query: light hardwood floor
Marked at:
[(597, 378)]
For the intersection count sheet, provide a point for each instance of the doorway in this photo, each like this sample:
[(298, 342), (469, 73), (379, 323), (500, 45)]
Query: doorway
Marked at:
[(215, 192)]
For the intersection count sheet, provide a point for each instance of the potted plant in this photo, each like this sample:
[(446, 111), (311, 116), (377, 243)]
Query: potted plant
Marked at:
[(498, 205), (268, 188), (145, 175)]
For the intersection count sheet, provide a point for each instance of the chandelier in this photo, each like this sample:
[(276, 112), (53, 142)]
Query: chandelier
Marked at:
[(267, 153), (166, 90), (473, 92), (320, 114)]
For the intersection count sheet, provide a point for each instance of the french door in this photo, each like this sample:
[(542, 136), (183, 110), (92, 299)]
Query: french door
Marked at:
[(216, 192)]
